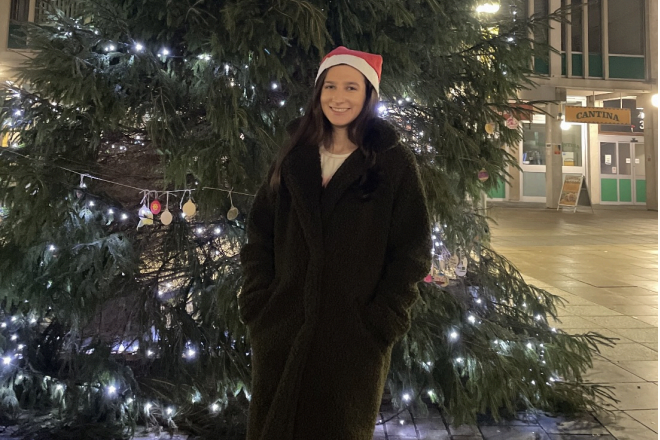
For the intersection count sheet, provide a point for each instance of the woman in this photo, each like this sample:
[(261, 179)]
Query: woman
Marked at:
[(338, 237)]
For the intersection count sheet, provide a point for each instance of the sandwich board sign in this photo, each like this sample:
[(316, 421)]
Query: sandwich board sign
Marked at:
[(574, 192)]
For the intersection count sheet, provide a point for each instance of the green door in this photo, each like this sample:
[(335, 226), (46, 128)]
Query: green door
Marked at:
[(639, 172), (622, 172)]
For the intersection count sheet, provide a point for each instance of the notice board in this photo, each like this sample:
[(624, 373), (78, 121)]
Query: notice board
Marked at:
[(574, 192)]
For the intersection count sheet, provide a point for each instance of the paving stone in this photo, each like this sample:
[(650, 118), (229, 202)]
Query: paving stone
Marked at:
[(624, 427), (580, 437), (513, 433), (585, 424)]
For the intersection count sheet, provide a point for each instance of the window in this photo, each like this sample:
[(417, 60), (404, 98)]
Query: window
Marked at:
[(18, 15), (594, 27), (533, 149), (636, 117), (626, 27), (576, 25)]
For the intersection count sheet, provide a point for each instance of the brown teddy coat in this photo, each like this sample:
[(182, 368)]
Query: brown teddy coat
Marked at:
[(329, 283)]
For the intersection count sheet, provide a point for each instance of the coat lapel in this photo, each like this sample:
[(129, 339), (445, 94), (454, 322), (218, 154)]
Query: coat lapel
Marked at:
[(302, 175), (347, 174)]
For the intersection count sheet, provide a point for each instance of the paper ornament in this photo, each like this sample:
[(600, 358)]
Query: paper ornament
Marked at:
[(490, 128), (428, 278), (189, 208), (461, 268), (512, 123), (483, 175), (146, 217), (166, 217), (155, 207), (441, 280), (232, 213)]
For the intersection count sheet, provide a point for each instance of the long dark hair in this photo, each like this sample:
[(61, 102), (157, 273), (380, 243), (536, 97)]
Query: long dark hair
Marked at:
[(315, 129)]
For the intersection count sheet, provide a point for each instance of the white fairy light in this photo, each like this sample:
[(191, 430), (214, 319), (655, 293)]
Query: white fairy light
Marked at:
[(33, 321), (129, 401), (14, 319), (112, 390), (59, 387), (91, 203), (138, 47), (52, 248), (539, 317), (124, 216), (190, 353), (478, 301), (150, 353), (554, 330), (453, 335), (459, 360), (274, 86), (215, 407), (147, 407), (217, 231), (14, 337), (529, 345), (382, 109), (6, 360), (406, 397), (111, 211), (472, 319), (169, 411), (200, 230), (164, 52), (282, 103), (533, 382), (204, 57)]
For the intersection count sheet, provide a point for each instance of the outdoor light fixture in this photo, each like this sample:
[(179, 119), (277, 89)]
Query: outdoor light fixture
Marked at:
[(488, 8)]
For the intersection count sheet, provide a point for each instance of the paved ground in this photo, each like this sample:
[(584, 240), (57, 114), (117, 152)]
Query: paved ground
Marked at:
[(605, 265)]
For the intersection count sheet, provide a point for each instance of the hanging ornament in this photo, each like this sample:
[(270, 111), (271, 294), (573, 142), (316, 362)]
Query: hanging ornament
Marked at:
[(453, 260), (144, 211), (483, 175), (189, 208), (428, 278), (441, 280), (155, 207), (233, 211), (490, 128), (461, 268), (166, 216), (147, 219), (512, 123)]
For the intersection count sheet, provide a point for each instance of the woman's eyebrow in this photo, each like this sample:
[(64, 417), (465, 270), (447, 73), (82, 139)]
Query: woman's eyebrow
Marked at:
[(352, 83)]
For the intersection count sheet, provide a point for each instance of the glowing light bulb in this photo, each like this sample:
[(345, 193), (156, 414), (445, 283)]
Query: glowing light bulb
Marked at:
[(215, 407), (406, 397), (453, 335), (488, 8), (138, 47), (6, 360), (472, 319), (530, 346), (112, 390)]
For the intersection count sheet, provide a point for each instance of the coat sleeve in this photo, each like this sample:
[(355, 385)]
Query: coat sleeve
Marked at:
[(387, 315), (257, 255)]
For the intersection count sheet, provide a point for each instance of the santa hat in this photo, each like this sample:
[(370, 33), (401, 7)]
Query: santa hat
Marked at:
[(368, 63)]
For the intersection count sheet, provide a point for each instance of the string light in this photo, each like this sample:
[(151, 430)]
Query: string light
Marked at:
[(112, 390), (453, 335)]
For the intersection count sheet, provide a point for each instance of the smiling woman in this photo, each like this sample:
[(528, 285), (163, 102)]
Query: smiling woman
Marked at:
[(334, 253)]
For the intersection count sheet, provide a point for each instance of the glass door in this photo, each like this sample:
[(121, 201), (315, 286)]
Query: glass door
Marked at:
[(622, 172), (639, 174)]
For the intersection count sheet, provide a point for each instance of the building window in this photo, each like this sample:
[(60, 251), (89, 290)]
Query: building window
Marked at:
[(19, 14), (595, 27), (626, 27), (636, 117), (576, 25), (533, 150)]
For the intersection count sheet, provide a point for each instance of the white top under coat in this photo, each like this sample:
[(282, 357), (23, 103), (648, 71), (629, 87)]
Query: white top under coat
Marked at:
[(330, 163)]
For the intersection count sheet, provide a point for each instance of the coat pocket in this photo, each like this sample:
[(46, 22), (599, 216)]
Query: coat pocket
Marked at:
[(372, 332), (250, 305)]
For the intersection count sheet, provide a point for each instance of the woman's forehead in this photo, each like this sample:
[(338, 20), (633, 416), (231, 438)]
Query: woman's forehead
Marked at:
[(344, 73)]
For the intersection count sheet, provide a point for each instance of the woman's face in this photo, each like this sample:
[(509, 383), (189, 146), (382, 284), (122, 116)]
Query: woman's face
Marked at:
[(343, 95)]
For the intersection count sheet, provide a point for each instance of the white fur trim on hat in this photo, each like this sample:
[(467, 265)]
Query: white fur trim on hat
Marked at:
[(353, 61)]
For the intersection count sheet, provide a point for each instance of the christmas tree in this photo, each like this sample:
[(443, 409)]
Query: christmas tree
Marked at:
[(138, 133)]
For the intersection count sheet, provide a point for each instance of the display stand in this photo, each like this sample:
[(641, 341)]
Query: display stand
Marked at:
[(574, 192)]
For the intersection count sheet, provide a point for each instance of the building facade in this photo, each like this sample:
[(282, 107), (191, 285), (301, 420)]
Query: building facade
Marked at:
[(608, 57)]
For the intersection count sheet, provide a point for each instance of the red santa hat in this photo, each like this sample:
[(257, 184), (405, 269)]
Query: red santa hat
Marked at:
[(368, 63)]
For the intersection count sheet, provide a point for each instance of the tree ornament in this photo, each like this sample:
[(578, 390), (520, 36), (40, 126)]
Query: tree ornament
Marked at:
[(490, 128), (512, 123), (166, 216), (483, 175), (189, 208), (155, 207), (233, 211), (461, 267)]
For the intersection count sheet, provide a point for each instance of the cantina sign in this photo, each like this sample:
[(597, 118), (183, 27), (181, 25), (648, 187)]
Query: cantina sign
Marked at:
[(598, 115)]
